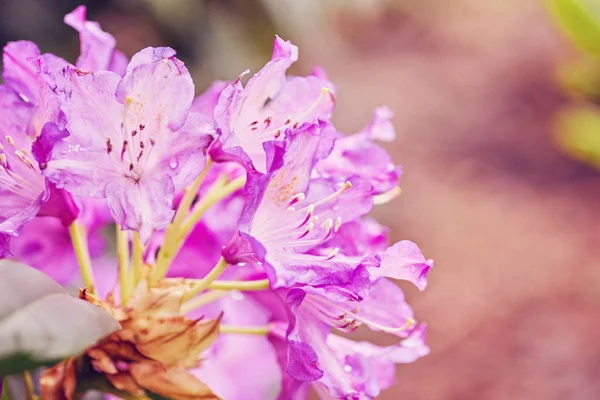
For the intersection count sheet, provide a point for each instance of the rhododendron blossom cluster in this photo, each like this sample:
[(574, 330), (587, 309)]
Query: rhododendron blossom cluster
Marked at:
[(244, 251)]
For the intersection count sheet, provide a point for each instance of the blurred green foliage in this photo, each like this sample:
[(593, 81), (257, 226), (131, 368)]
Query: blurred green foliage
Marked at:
[(577, 126), (580, 19)]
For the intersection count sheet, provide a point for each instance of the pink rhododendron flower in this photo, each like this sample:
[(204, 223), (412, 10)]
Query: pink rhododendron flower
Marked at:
[(244, 257)]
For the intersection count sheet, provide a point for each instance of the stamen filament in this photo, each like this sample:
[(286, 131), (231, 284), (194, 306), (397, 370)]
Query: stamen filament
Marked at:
[(209, 200), (79, 240), (388, 196), (248, 330), (137, 259), (169, 248), (29, 388), (123, 256), (205, 282), (202, 300), (243, 286), (188, 198)]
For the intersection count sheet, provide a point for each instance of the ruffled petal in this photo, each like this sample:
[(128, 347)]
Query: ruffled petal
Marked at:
[(81, 171), (159, 90), (404, 261), (97, 46), (18, 71), (270, 104), (143, 206)]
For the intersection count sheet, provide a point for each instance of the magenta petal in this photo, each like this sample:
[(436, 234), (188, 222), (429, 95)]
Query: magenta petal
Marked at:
[(242, 249), (270, 104), (43, 145), (142, 206), (118, 63), (81, 171), (18, 71), (385, 308), (229, 356), (380, 127), (97, 46), (4, 245), (404, 261), (303, 362), (206, 102), (164, 84), (61, 205), (185, 156), (284, 49), (45, 244)]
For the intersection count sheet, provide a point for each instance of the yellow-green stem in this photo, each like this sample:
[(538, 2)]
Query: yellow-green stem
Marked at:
[(123, 257), (208, 201), (176, 236), (203, 283), (166, 253), (29, 389), (137, 259), (202, 300), (190, 194), (262, 284), (79, 240), (247, 330)]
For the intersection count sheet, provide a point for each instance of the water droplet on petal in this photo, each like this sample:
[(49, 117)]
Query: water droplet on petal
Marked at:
[(173, 163), (347, 368)]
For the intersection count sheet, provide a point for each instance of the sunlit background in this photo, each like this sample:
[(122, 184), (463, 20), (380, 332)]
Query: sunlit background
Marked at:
[(498, 134)]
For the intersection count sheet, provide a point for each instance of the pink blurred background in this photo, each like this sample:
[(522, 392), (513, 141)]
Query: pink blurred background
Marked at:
[(511, 221)]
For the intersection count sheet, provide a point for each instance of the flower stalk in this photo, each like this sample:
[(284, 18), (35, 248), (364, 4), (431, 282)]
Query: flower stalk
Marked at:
[(79, 240)]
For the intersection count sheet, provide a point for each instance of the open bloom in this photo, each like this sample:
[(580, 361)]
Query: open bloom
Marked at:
[(24, 192), (132, 140), (358, 155), (26, 104), (282, 218), (269, 104)]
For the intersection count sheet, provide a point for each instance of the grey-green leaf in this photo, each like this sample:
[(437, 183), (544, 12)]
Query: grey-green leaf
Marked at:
[(40, 323)]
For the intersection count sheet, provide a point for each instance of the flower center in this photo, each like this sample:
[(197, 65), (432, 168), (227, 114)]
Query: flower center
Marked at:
[(300, 227), (19, 174)]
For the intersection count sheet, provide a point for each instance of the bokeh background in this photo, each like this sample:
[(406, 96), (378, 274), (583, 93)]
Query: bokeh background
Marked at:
[(499, 139)]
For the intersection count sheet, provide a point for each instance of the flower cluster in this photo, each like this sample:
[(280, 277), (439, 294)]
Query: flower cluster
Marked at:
[(243, 245)]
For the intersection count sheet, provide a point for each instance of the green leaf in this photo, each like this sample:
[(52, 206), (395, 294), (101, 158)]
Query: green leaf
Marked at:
[(40, 323), (578, 133), (580, 19)]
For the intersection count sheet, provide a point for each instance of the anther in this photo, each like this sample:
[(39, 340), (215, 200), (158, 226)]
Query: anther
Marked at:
[(109, 146), (268, 121), (142, 127), (338, 223), (327, 225), (277, 134), (3, 161), (10, 140), (124, 148), (308, 229), (253, 123), (131, 166), (133, 133), (152, 141), (332, 254), (296, 199)]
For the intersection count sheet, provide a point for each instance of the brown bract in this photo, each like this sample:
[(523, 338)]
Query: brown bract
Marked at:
[(152, 352)]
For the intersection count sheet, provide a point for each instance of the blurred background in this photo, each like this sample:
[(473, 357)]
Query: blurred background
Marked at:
[(499, 136)]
